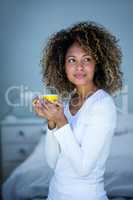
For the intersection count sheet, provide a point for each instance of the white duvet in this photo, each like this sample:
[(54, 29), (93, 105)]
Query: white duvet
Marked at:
[(31, 179), (119, 169)]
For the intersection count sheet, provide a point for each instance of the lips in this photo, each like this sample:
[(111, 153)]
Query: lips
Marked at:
[(79, 76)]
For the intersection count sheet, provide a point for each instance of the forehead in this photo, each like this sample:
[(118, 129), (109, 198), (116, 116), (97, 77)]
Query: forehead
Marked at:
[(75, 48)]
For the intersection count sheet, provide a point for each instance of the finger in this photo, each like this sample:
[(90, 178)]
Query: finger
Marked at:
[(46, 107), (41, 112), (40, 103), (47, 102), (39, 109), (49, 105), (38, 106), (58, 103), (34, 101)]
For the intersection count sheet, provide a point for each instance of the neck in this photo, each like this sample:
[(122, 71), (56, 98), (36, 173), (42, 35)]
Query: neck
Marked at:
[(85, 91)]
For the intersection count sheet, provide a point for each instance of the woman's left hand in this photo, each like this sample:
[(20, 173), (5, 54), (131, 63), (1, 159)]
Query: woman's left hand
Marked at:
[(55, 112)]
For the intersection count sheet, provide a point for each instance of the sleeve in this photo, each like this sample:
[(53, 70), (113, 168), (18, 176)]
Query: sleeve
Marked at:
[(51, 148), (97, 132)]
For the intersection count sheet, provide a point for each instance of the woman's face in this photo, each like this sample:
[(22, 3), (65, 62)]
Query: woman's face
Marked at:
[(79, 66)]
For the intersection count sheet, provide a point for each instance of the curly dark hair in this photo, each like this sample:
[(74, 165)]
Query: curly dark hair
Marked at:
[(95, 39)]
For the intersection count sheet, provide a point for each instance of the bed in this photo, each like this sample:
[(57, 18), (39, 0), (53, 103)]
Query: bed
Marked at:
[(30, 180), (119, 167)]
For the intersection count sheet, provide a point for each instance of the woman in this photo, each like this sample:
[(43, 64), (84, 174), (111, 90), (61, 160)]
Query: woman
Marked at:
[(82, 62)]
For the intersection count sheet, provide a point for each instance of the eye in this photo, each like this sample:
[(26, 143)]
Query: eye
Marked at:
[(87, 59), (71, 60)]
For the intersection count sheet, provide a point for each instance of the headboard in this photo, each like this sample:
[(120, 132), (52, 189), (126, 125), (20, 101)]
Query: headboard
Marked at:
[(125, 119), (121, 100)]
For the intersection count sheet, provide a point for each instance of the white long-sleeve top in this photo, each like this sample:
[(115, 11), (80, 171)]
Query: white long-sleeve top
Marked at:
[(81, 149)]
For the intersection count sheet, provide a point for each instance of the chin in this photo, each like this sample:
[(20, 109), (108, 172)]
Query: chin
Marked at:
[(80, 83)]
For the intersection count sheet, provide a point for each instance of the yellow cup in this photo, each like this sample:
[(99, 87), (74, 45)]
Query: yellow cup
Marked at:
[(50, 97)]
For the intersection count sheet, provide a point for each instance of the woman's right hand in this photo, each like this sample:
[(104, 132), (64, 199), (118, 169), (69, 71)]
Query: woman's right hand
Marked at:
[(38, 107)]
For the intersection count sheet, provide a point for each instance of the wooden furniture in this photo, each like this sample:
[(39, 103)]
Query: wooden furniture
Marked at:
[(18, 139)]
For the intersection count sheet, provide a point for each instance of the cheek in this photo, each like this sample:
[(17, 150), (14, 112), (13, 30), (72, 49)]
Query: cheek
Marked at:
[(90, 68), (69, 70)]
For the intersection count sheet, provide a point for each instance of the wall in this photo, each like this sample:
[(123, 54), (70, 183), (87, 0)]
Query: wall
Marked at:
[(26, 25)]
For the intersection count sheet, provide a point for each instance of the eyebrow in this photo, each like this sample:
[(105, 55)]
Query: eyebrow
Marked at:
[(74, 56)]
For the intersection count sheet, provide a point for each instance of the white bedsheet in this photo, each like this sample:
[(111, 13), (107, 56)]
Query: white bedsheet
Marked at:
[(30, 179), (119, 170)]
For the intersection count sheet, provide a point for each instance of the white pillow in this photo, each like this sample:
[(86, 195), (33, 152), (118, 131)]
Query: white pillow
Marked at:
[(124, 124)]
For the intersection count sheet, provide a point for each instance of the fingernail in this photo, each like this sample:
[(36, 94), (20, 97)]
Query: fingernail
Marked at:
[(42, 102), (35, 99)]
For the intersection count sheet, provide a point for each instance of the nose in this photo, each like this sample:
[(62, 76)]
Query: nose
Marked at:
[(79, 66)]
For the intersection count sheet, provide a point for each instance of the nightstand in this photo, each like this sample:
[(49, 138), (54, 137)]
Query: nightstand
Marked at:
[(18, 139)]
